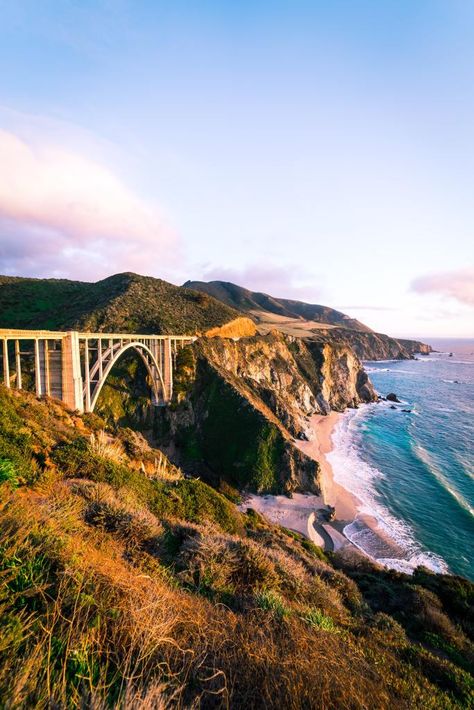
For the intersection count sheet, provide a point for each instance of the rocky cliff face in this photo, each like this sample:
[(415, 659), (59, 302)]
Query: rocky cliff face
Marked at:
[(415, 347), (239, 406), (373, 346)]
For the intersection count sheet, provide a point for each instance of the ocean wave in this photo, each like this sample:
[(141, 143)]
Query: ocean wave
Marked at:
[(431, 465), (358, 477), (465, 465)]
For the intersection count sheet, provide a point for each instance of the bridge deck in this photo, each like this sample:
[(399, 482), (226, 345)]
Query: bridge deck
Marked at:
[(23, 334)]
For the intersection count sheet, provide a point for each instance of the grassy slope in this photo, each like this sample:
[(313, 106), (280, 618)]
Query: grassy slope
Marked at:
[(117, 586), (121, 303)]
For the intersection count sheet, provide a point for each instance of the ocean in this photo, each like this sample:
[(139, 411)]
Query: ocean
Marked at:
[(414, 470)]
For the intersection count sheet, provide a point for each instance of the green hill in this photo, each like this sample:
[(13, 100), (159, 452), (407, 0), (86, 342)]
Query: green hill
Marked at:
[(122, 303)]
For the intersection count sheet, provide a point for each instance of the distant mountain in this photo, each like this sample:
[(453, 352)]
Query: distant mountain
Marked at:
[(254, 302), (310, 321), (122, 303)]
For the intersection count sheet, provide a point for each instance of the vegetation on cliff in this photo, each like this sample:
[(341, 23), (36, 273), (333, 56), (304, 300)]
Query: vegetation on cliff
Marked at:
[(123, 584)]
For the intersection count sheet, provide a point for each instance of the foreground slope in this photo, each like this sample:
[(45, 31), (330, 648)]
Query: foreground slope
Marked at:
[(310, 322), (124, 585), (126, 303)]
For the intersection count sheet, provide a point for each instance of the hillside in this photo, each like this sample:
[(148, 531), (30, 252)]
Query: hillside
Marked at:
[(310, 322), (121, 303), (254, 303), (123, 584)]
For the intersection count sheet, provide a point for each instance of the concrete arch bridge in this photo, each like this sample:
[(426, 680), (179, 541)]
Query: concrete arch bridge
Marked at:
[(73, 366)]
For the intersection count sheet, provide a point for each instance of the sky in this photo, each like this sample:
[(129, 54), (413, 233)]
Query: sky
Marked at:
[(315, 150)]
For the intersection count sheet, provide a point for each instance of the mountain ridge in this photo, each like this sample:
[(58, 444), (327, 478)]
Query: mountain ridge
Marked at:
[(128, 302), (311, 321), (241, 298)]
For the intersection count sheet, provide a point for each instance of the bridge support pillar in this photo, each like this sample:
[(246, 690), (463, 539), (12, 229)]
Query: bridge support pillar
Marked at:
[(168, 370), (71, 376)]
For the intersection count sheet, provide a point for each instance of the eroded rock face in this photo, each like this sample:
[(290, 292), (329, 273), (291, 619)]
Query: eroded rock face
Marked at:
[(344, 382), (239, 405)]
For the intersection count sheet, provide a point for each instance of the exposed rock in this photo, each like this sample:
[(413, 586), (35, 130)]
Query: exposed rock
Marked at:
[(372, 346), (392, 397)]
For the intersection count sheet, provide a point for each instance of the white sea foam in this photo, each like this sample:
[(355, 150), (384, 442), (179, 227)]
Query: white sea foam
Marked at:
[(358, 477)]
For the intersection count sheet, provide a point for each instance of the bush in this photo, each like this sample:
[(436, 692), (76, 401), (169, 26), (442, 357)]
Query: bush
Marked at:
[(8, 473), (318, 620), (269, 600)]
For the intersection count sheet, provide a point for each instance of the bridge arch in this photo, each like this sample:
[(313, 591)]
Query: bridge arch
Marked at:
[(156, 376)]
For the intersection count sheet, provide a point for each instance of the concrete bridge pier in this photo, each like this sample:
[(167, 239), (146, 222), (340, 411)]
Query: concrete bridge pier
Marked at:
[(68, 370)]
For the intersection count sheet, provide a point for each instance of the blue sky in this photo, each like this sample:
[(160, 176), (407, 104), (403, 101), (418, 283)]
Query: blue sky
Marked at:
[(316, 150)]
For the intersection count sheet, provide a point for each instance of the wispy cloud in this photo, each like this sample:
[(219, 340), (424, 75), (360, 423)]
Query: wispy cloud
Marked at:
[(66, 215), (275, 280), (453, 284)]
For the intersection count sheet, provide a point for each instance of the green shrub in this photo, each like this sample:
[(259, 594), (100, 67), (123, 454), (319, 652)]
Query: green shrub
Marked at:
[(195, 501), (268, 600), (8, 473), (189, 499), (318, 620), (314, 550)]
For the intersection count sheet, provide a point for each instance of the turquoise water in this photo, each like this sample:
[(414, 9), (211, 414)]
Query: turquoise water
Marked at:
[(415, 471)]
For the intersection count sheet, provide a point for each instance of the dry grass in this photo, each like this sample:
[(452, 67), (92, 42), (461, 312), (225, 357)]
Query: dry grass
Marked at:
[(86, 626), (105, 446), (108, 600)]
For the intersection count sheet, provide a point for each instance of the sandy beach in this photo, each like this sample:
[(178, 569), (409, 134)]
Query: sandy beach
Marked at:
[(349, 509), (304, 512), (345, 503)]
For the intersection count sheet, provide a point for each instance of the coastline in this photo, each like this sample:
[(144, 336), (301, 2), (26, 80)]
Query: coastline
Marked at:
[(307, 513), (359, 528), (352, 526)]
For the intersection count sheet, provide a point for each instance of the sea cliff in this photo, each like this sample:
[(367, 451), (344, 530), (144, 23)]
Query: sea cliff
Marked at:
[(239, 405)]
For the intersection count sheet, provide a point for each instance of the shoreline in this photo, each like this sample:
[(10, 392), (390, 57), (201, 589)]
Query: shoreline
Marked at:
[(351, 528), (346, 504), (307, 513), (349, 509)]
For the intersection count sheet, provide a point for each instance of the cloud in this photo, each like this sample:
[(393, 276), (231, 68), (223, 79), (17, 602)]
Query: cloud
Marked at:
[(63, 214), (277, 281), (453, 284)]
